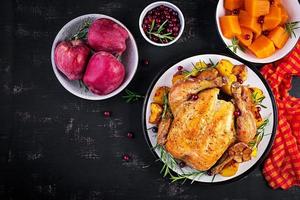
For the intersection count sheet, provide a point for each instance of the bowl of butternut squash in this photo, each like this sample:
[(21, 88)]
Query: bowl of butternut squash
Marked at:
[(259, 31)]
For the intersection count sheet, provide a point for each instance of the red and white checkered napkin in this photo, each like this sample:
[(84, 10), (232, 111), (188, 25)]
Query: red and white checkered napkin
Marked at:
[(282, 167)]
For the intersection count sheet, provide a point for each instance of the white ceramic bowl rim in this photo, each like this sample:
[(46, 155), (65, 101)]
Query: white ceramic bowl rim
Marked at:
[(156, 4), (59, 75)]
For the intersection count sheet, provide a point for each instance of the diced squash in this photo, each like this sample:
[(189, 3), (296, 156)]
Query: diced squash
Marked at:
[(230, 80), (230, 169), (159, 94), (230, 26), (249, 22), (246, 37), (224, 67), (177, 77), (279, 36), (257, 7), (233, 4), (284, 15), (262, 47), (272, 19), (275, 3), (155, 113)]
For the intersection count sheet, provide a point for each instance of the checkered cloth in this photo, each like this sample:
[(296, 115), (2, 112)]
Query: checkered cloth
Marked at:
[(282, 167)]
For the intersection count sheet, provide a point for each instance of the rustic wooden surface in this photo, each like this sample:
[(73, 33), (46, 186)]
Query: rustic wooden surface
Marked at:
[(54, 145)]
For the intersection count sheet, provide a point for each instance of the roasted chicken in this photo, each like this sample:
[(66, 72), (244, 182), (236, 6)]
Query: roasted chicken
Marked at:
[(202, 129)]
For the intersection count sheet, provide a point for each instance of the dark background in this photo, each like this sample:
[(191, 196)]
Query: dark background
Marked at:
[(54, 145)]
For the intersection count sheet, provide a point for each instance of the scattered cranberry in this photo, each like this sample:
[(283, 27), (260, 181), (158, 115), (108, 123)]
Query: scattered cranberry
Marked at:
[(154, 129), (130, 135), (240, 81), (272, 2), (209, 173), (237, 113), (247, 37), (258, 109), (266, 33), (236, 11), (126, 157), (106, 114), (146, 62), (179, 68), (194, 97), (181, 164), (261, 19)]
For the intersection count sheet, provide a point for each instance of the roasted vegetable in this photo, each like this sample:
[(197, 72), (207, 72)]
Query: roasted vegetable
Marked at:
[(240, 71), (208, 74), (224, 67), (156, 112), (159, 94), (230, 169)]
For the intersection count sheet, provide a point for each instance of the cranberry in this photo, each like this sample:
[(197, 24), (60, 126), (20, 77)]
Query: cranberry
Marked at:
[(266, 33), (209, 173), (237, 113), (179, 68), (175, 29), (169, 30), (272, 2), (261, 19), (158, 21), (154, 129), (194, 97), (258, 108), (247, 37), (130, 135), (146, 62), (181, 164), (174, 13), (236, 11), (240, 81), (126, 157), (106, 114)]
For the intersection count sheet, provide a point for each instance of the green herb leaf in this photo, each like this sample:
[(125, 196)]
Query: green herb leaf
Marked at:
[(290, 28), (82, 33), (158, 34), (235, 45), (131, 96)]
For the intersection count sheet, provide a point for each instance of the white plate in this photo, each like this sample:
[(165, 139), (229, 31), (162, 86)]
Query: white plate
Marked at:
[(293, 9), (255, 79)]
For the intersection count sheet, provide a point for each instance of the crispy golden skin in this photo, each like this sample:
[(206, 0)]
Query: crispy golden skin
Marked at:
[(202, 130)]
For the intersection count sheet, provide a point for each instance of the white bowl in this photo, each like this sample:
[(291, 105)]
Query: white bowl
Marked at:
[(154, 5), (293, 9), (129, 58)]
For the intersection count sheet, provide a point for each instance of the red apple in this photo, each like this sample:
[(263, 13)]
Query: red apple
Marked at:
[(104, 73), (106, 35), (71, 58)]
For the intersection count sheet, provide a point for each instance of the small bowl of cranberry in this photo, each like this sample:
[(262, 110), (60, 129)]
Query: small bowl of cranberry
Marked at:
[(161, 23)]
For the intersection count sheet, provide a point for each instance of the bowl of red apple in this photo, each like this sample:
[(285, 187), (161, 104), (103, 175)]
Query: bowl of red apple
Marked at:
[(94, 56)]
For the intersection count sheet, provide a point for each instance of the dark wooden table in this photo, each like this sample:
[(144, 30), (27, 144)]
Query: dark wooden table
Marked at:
[(54, 145)]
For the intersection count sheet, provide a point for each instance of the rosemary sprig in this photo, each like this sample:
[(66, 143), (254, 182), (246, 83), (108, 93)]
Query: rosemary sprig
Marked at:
[(260, 133), (131, 96), (165, 105), (159, 30), (258, 101), (183, 177), (198, 67), (82, 33), (235, 45), (290, 28)]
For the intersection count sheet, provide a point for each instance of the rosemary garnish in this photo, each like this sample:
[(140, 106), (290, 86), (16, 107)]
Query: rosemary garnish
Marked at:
[(166, 107), (198, 67), (131, 96), (235, 45), (158, 33), (82, 85), (82, 33), (260, 133), (169, 165), (290, 28), (258, 101)]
